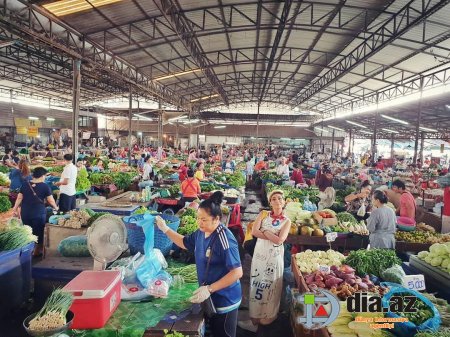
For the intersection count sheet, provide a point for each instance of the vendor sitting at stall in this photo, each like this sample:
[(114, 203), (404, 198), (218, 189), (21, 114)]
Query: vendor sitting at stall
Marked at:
[(190, 188), (200, 173), (98, 167), (283, 169), (381, 223), (228, 165), (147, 174), (324, 178), (407, 207), (261, 165), (182, 172), (297, 175), (359, 203)]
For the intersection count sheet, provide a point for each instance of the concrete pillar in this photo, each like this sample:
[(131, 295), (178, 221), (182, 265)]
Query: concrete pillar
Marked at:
[(75, 106)]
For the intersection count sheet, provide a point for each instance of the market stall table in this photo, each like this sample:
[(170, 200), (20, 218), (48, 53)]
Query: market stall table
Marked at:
[(121, 198), (347, 243)]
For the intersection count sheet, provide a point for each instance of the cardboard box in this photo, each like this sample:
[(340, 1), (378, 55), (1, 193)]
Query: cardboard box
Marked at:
[(325, 221)]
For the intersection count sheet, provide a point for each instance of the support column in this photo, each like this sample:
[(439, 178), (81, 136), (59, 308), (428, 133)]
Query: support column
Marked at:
[(350, 142), (75, 107), (198, 140), (130, 114), (190, 132), (332, 144), (160, 126), (176, 142), (392, 146), (257, 125), (419, 116), (374, 145), (422, 144)]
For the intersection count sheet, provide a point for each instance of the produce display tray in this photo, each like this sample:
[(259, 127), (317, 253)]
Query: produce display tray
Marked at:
[(347, 243), (429, 270)]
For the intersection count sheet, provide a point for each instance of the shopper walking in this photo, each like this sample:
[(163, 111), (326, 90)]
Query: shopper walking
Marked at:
[(67, 195), (147, 174), (266, 276), (218, 264), (381, 223), (32, 197), (19, 175)]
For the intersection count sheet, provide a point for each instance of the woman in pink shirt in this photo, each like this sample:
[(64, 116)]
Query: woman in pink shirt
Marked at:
[(407, 207)]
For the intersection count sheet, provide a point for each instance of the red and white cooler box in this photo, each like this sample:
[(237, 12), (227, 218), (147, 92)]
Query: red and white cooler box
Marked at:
[(96, 296)]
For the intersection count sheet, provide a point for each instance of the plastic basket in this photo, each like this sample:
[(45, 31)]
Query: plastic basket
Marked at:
[(167, 202), (136, 237)]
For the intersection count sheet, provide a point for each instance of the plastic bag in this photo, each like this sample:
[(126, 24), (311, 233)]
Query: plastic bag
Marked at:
[(74, 246), (362, 210), (151, 265), (407, 329), (394, 274), (159, 286)]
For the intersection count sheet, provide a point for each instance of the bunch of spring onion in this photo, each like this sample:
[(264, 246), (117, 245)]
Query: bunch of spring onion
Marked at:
[(16, 236), (53, 313)]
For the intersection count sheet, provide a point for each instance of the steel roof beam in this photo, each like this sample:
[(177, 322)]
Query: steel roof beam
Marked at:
[(275, 44), (409, 16), (171, 11), (33, 25)]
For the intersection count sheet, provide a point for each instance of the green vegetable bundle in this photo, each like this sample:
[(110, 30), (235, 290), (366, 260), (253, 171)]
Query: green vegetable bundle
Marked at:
[(4, 169), (53, 313), (98, 178), (16, 236), (4, 179), (83, 183), (189, 272), (422, 314), (122, 180), (445, 332), (188, 225), (373, 261), (346, 217), (189, 212), (174, 190), (5, 204), (94, 217), (57, 169), (236, 180)]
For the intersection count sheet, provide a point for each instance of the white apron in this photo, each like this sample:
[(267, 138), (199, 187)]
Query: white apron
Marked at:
[(266, 278)]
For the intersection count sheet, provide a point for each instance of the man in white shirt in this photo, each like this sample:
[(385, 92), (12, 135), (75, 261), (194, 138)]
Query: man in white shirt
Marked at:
[(283, 168), (67, 198)]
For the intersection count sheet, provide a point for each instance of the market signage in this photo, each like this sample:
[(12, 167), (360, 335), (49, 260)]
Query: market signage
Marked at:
[(32, 131), (25, 123)]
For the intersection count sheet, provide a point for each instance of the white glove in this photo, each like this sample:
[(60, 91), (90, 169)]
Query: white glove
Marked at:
[(200, 295), (161, 224)]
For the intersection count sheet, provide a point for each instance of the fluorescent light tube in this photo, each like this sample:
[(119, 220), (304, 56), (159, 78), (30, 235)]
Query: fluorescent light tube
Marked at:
[(427, 129), (336, 128), (357, 124), (395, 119), (33, 118), (389, 130)]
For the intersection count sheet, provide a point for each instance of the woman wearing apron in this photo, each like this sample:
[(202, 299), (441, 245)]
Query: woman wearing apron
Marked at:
[(266, 277)]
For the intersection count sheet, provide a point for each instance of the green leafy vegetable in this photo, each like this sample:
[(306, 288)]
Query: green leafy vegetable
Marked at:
[(83, 183), (347, 217), (122, 180), (16, 236), (373, 261), (4, 169), (5, 204), (188, 225)]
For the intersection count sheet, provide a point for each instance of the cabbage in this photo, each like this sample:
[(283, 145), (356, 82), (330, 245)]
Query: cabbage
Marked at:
[(423, 255), (445, 263), (438, 249), (292, 209), (436, 261)]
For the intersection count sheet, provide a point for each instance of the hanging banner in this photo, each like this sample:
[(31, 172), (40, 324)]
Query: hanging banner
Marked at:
[(86, 135), (33, 132), (21, 130), (25, 122)]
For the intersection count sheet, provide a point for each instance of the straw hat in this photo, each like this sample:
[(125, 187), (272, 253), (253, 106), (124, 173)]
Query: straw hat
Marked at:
[(276, 192)]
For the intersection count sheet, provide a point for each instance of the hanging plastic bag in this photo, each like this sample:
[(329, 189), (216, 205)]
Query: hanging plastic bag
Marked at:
[(362, 210), (407, 329), (151, 265)]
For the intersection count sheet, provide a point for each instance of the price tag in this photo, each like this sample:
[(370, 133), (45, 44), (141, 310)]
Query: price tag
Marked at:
[(414, 282), (331, 236), (324, 269)]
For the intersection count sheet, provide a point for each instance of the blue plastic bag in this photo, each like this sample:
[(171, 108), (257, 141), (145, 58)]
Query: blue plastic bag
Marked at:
[(151, 265), (408, 329)]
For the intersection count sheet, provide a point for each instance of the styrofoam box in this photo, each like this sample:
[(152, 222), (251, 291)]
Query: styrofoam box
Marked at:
[(96, 297)]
